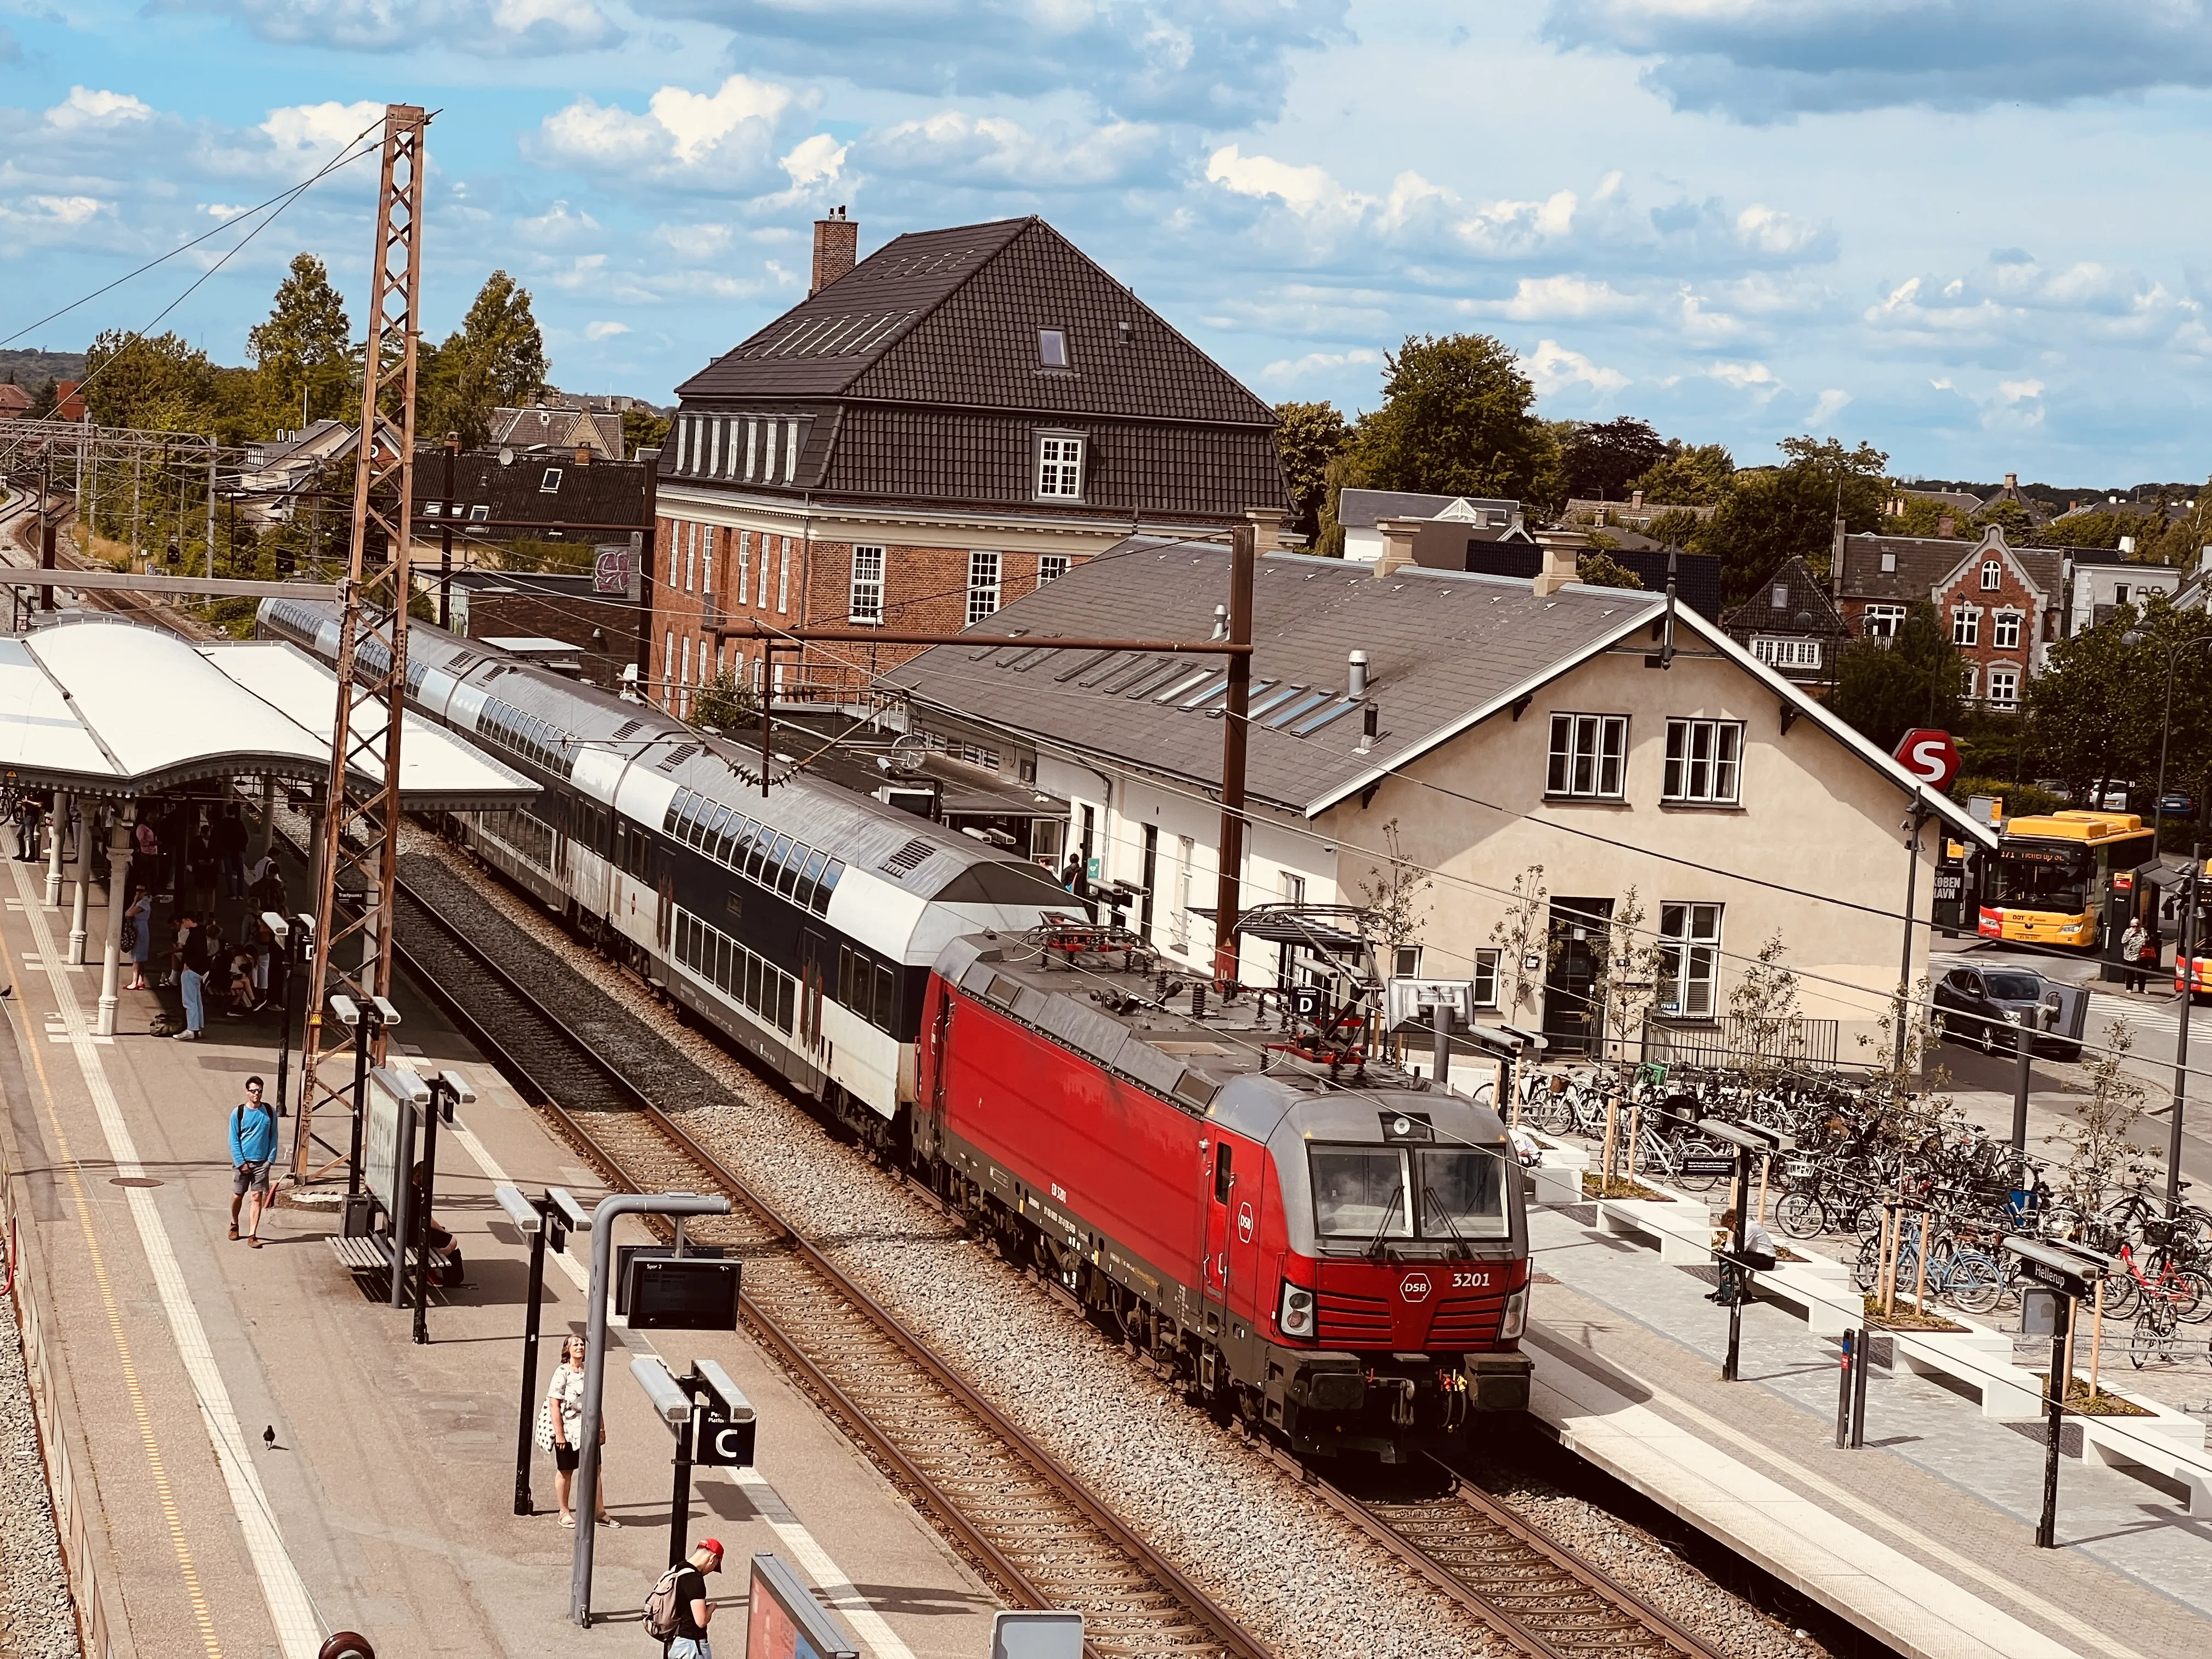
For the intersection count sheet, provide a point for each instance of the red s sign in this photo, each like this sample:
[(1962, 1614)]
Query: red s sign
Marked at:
[(1929, 755)]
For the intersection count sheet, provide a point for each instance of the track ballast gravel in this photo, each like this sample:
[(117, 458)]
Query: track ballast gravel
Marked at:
[(37, 1621), (1298, 1575)]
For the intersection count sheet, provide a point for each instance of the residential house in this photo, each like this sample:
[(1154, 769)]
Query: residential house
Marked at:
[(2003, 605), (1697, 576), (1635, 514), (1958, 505), (1445, 734), (934, 431), (2010, 492), (1360, 511), (278, 476), (2100, 581), (558, 427), (15, 401), (1791, 625)]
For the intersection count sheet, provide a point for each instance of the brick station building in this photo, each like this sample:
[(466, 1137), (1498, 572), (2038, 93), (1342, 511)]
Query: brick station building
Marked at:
[(932, 433)]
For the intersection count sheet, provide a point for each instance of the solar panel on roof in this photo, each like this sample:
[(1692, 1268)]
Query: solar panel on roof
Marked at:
[(1322, 719), (1152, 679), (1301, 706)]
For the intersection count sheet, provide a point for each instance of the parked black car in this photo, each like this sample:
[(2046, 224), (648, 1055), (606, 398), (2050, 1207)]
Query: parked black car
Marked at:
[(1987, 1006)]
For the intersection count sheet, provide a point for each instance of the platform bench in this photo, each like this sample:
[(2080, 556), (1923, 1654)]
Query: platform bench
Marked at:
[(374, 1254)]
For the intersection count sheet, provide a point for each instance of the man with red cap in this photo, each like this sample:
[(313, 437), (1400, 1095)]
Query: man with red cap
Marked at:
[(693, 1610)]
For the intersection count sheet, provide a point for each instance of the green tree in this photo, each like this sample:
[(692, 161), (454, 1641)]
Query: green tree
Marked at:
[(1791, 510), (642, 430), (2010, 516), (2097, 712), (303, 356), (1884, 687), (724, 704), (1689, 474), (496, 359), (1342, 473), (1923, 515), (160, 382), (1602, 456), (1458, 419), (2090, 529), (1308, 437), (1601, 570)]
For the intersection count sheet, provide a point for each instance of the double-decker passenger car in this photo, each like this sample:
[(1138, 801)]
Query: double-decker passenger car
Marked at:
[(1290, 1229)]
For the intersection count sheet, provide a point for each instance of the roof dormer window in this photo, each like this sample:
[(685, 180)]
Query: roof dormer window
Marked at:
[(1052, 348), (552, 485)]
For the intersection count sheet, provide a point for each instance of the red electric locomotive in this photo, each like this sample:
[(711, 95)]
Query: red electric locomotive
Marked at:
[(1300, 1233)]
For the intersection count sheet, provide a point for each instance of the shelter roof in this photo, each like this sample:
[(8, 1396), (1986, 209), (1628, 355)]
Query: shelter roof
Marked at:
[(109, 708)]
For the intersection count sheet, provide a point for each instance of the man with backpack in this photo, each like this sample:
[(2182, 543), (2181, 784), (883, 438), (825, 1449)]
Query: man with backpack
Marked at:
[(677, 1611), (252, 1154)]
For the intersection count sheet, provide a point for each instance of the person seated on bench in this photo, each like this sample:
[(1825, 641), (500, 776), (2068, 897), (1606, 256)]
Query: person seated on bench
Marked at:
[(418, 1204), (1757, 1255)]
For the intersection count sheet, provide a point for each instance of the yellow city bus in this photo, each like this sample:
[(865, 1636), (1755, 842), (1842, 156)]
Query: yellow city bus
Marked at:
[(2053, 874)]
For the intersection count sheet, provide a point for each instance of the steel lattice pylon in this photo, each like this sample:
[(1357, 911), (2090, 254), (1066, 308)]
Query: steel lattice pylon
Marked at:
[(359, 843)]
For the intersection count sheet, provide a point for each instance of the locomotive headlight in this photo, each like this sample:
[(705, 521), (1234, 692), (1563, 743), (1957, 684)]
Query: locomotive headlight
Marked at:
[(1296, 1316), (1516, 1318)]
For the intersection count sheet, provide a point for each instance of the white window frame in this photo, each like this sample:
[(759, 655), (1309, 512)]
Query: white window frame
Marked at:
[(1690, 959), (767, 454), (707, 560), (1992, 575), (1060, 458), (865, 609), (790, 451), (1589, 757), (744, 565), (1051, 567), (762, 602), (985, 573), (714, 448), (783, 581), (1058, 337), (2006, 623), (2010, 697), (690, 555), (1881, 622), (753, 446), (1704, 763), (668, 669), (550, 483), (1486, 979), (1966, 626), (1405, 961), (1787, 653)]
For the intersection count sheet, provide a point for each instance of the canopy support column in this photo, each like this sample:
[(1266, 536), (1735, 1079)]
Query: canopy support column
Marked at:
[(55, 824), (267, 831), (121, 879), (89, 817)]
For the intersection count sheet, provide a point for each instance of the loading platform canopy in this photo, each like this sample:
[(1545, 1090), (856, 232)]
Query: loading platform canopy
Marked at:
[(112, 708)]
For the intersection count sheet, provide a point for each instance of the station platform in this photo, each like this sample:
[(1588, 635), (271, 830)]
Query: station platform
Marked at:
[(1924, 1537), (256, 1454)]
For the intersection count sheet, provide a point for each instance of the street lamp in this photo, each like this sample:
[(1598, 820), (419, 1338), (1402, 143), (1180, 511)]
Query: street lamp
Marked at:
[(2136, 636)]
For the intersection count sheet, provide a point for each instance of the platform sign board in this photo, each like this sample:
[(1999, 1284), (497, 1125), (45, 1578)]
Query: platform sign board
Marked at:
[(627, 1254), (1036, 1635), (1408, 996), (719, 1443), (386, 1138), (784, 1621), (683, 1293)]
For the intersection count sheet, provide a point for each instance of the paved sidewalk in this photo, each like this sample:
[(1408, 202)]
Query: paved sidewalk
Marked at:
[(1949, 1498)]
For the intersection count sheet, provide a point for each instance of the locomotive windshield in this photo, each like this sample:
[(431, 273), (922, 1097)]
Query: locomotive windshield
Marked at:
[(1360, 1193)]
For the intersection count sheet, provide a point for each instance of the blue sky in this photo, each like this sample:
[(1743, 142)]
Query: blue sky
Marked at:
[(1964, 230)]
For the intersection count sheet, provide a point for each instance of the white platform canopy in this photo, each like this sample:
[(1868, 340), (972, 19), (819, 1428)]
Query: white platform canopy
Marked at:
[(110, 708)]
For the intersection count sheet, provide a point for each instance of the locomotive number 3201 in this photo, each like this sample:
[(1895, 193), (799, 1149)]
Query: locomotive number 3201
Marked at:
[(1470, 1281)]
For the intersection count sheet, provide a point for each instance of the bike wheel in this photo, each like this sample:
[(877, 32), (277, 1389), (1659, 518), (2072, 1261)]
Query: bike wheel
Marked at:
[(1971, 1280), (1799, 1215), (2147, 1347), (1554, 1114), (1867, 1267), (1689, 1149), (2192, 1295), (2124, 1296)]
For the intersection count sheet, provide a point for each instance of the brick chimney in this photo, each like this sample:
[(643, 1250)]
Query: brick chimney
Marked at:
[(583, 454), (1947, 526), (1635, 501), (1266, 528), (837, 249)]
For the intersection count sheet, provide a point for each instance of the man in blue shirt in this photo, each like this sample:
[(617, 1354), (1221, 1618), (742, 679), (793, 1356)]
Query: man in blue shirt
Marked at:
[(253, 1155)]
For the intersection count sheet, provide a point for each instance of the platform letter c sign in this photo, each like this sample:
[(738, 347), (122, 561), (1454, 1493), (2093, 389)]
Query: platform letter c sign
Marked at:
[(1929, 755), (1244, 1223)]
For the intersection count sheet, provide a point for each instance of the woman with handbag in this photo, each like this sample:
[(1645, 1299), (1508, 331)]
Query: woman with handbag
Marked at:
[(559, 1425)]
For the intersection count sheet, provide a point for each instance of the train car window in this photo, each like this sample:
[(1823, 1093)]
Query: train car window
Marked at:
[(770, 861), (786, 1001), (1462, 1194), (815, 864), (712, 839), (1360, 1193), (752, 982), (741, 835), (726, 832), (886, 994), (722, 963), (675, 808), (1224, 1179), (829, 885)]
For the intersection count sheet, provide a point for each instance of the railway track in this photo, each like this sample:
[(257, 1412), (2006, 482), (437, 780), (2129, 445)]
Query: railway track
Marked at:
[(1535, 1591), (1016, 1514), (17, 550)]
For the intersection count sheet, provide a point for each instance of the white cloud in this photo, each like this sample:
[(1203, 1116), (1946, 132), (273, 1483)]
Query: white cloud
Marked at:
[(1755, 378), (85, 107), (1552, 368), (1303, 189), (1545, 299), (814, 161), (1831, 403), (65, 210), (497, 28), (723, 140), (956, 148), (1315, 364), (1770, 232), (605, 331), (314, 131)]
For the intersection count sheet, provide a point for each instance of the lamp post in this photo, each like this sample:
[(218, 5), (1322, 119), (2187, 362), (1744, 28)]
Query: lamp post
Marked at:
[(2136, 636)]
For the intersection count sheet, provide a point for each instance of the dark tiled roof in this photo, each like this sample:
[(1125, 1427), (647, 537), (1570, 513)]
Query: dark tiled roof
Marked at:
[(1805, 593), (952, 317), (1697, 577), (1441, 644), (603, 492), (1922, 561), (1359, 509)]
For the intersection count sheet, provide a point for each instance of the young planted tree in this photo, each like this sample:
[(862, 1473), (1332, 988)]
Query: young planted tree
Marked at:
[(1391, 893), (2099, 1158), (1521, 937), (724, 704), (1763, 1003)]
